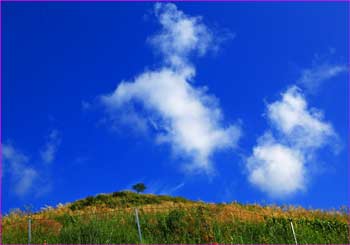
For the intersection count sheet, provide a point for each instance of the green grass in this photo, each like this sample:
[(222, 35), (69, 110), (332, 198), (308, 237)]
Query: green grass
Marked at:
[(195, 225), (125, 199), (165, 219)]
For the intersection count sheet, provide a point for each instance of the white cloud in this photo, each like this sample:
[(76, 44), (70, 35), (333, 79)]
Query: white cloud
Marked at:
[(276, 169), (181, 35), (302, 126), (279, 161), (182, 115), (314, 77), (48, 154), (189, 120), (16, 163), (26, 177)]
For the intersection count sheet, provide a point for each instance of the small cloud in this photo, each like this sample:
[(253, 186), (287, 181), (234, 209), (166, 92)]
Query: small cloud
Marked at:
[(276, 169), (26, 178), (303, 127), (180, 35), (48, 154), (313, 78), (22, 175), (25, 181)]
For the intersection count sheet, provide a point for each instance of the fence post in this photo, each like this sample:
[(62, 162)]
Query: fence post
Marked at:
[(138, 224), (29, 230), (295, 237)]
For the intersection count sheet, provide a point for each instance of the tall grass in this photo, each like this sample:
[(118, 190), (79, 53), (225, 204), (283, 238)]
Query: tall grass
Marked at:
[(187, 224)]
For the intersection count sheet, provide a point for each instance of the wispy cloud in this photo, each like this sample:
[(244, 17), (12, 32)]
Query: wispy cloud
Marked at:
[(30, 176), (174, 189), (48, 154), (182, 115), (278, 164), (313, 78), (180, 35), (164, 189), (85, 105), (17, 165)]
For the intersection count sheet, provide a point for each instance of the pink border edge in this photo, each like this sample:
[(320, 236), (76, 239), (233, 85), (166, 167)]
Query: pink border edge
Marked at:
[(348, 90)]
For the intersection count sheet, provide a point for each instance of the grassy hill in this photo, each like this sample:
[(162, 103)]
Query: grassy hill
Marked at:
[(110, 218)]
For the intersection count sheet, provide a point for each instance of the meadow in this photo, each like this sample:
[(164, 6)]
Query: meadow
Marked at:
[(110, 218)]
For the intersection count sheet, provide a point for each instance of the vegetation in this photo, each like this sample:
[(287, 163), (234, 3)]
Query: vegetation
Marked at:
[(139, 187), (124, 199), (110, 218)]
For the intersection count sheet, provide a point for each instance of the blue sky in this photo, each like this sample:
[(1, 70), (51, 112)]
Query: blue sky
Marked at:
[(218, 102)]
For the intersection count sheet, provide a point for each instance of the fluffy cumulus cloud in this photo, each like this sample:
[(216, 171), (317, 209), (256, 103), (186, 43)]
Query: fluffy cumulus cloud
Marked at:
[(184, 116), (301, 126), (180, 35), (314, 77), (22, 175), (275, 168), (48, 154), (278, 164)]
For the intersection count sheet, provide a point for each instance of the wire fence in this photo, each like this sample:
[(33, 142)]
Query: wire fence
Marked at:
[(177, 224)]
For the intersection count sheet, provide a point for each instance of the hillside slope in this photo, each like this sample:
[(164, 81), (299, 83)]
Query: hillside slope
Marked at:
[(110, 218)]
